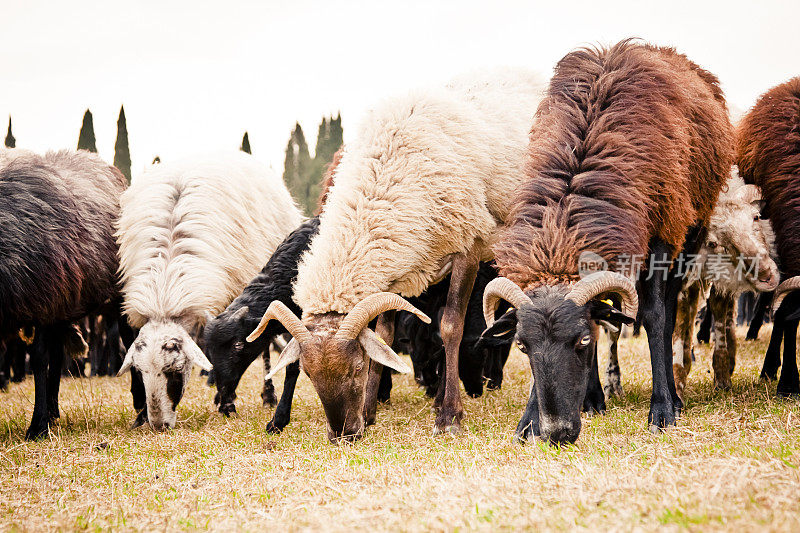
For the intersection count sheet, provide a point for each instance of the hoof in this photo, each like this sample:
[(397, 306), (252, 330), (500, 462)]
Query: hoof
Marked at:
[(452, 429), (37, 431), (655, 430), (227, 410), (272, 428)]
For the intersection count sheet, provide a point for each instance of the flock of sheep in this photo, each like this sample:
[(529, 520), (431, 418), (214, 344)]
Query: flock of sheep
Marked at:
[(452, 226)]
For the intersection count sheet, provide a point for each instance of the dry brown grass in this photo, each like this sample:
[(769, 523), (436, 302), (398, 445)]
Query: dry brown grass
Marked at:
[(732, 463)]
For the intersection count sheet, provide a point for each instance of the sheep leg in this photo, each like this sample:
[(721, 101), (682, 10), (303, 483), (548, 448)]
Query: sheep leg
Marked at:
[(722, 307), (462, 279), (762, 303), (284, 410), (595, 401), (385, 330), (268, 398), (613, 385), (683, 336), (17, 352), (704, 332), (54, 338), (654, 307), (789, 383), (772, 359), (40, 419)]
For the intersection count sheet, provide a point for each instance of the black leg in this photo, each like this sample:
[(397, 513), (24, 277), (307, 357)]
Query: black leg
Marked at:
[(595, 400), (284, 410), (653, 305), (54, 339), (529, 423), (40, 419), (789, 383), (764, 299), (772, 359), (18, 352), (268, 398), (704, 331)]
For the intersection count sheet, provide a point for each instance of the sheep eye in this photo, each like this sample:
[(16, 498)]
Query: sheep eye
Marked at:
[(585, 340), (756, 218), (359, 366), (238, 345), (712, 244), (521, 347)]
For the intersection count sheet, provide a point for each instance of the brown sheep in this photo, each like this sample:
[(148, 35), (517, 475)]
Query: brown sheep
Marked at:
[(629, 150), (768, 155)]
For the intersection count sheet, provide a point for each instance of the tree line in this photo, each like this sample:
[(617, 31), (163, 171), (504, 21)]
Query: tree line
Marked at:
[(302, 173)]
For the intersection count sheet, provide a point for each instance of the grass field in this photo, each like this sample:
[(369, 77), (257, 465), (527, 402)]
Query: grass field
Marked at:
[(732, 462)]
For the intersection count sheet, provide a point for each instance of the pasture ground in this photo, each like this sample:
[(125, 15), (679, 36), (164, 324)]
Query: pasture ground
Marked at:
[(731, 464)]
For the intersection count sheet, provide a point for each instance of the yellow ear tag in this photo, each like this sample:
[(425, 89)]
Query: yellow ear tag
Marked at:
[(608, 301), (381, 339)]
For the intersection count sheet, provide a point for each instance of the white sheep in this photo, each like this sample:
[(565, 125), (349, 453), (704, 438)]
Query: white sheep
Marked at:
[(192, 234), (419, 192)]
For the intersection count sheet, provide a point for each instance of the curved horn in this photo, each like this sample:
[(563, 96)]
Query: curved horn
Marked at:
[(791, 284), (277, 310), (605, 281), (501, 289), (370, 307)]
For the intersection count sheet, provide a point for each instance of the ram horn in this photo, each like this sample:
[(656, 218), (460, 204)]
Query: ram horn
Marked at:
[(277, 310), (599, 282), (501, 289), (370, 307), (791, 284)]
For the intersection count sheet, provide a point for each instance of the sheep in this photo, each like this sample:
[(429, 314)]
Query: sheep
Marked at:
[(191, 236), (477, 361), (768, 155), (225, 335), (419, 193), (629, 150), (735, 257), (60, 257)]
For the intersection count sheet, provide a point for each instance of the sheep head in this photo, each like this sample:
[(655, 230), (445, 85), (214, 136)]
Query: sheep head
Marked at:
[(164, 353), (334, 351), (556, 327), (738, 243)]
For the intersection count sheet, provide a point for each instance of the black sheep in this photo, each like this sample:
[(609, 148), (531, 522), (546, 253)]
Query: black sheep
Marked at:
[(58, 255), (477, 361), (225, 335)]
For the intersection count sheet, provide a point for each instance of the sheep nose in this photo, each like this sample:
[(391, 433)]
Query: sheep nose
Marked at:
[(160, 426)]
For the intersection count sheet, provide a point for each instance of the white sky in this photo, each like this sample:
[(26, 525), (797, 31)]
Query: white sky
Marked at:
[(195, 75)]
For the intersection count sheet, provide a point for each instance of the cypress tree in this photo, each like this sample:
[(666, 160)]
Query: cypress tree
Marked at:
[(11, 142), (122, 153), (245, 144), (297, 170), (86, 140)]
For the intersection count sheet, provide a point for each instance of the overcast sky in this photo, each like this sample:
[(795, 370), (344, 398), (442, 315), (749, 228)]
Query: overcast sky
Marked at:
[(194, 75)]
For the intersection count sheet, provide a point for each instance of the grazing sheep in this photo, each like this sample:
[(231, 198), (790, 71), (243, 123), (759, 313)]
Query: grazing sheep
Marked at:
[(629, 150), (225, 336), (768, 155), (191, 235), (418, 193), (59, 259)]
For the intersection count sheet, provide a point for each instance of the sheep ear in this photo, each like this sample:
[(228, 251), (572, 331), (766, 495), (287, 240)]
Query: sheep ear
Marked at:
[(380, 352), (128, 362), (196, 355), (289, 355)]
